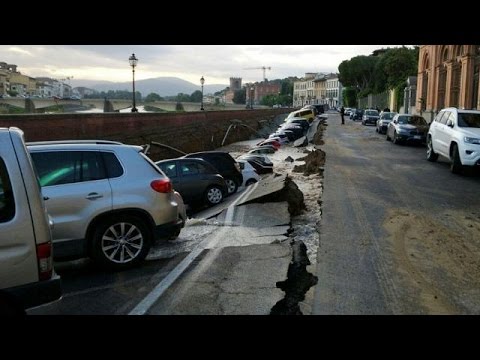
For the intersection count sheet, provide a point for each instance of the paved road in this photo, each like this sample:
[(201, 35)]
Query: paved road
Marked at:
[(399, 235), (235, 261)]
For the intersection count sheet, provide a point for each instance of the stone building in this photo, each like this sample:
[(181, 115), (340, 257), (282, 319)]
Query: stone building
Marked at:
[(448, 76)]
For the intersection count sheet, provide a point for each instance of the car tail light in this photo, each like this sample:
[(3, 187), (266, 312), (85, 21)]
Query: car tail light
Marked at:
[(237, 165), (161, 185), (45, 262)]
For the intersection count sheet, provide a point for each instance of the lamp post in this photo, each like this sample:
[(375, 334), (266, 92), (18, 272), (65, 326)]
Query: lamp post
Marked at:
[(133, 62), (202, 81)]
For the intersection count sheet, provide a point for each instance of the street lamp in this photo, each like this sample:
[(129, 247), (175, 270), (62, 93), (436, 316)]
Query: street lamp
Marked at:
[(133, 62), (202, 81)]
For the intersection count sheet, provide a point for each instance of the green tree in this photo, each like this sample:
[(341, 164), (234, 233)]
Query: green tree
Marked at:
[(269, 100), (359, 72), (181, 97), (153, 97), (350, 97), (398, 64), (196, 96), (240, 96)]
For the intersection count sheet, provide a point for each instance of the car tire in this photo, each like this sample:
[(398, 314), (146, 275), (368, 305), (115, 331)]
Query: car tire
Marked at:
[(213, 195), (121, 242), (431, 155), (455, 163), (232, 186), (250, 182), (174, 234)]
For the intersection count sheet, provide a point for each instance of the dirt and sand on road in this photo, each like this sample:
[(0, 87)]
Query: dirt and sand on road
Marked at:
[(437, 259)]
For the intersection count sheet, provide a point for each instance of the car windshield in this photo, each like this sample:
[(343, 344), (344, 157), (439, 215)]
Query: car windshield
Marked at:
[(371, 112), (388, 116), (417, 120), (469, 120)]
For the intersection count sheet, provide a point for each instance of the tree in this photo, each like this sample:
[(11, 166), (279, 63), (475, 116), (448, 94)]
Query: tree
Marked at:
[(153, 97), (398, 64), (181, 97), (269, 100), (240, 96), (359, 72), (196, 96), (385, 69), (350, 97)]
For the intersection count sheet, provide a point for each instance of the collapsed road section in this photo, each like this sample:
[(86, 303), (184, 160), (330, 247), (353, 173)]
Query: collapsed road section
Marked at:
[(236, 268), (249, 261)]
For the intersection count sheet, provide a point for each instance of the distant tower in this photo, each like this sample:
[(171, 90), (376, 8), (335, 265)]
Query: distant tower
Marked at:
[(235, 83)]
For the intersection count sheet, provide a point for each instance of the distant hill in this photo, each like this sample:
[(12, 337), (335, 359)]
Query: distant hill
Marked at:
[(163, 86)]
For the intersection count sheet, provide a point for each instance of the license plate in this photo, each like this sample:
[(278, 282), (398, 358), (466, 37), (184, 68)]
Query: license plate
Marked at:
[(417, 137)]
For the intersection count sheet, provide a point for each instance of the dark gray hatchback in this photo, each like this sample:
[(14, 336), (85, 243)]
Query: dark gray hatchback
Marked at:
[(195, 179), (226, 166)]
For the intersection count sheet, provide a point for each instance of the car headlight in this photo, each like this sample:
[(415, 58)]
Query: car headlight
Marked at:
[(470, 140), (402, 131)]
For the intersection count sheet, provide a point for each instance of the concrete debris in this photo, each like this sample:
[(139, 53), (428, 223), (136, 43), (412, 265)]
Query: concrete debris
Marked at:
[(303, 141), (314, 162)]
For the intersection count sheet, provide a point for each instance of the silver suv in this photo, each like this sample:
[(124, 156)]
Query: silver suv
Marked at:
[(455, 134), (27, 277), (108, 200)]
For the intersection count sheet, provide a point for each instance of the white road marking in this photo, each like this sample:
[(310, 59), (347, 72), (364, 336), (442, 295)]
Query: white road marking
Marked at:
[(147, 302)]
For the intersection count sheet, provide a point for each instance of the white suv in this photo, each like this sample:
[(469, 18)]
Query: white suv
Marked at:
[(108, 200), (455, 134)]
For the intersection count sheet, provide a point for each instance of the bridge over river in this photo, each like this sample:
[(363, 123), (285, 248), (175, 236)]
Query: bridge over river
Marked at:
[(31, 105)]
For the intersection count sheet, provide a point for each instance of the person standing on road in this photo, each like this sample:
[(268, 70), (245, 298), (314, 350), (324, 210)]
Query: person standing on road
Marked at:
[(342, 114)]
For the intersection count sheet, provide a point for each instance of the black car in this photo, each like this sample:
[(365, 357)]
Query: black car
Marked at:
[(299, 121), (370, 117), (407, 128), (195, 179), (357, 115), (226, 166)]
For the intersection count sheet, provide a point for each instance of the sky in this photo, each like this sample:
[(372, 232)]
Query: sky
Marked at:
[(216, 63)]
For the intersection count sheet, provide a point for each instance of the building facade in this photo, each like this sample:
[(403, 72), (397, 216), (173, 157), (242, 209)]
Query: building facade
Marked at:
[(304, 90), (448, 76), (254, 93), (334, 91), (317, 88), (320, 88)]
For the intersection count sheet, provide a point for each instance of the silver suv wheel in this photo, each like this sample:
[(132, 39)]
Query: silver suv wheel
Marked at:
[(121, 241)]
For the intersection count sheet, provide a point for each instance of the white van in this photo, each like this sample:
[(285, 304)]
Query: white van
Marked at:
[(27, 277)]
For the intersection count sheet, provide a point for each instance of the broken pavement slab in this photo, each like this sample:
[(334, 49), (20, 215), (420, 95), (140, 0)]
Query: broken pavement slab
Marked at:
[(229, 281)]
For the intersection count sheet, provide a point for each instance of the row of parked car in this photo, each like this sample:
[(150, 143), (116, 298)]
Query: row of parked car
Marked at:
[(100, 199), (453, 134), (105, 200)]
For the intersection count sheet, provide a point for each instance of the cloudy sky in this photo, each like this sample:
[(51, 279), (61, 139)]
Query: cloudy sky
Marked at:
[(216, 63)]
